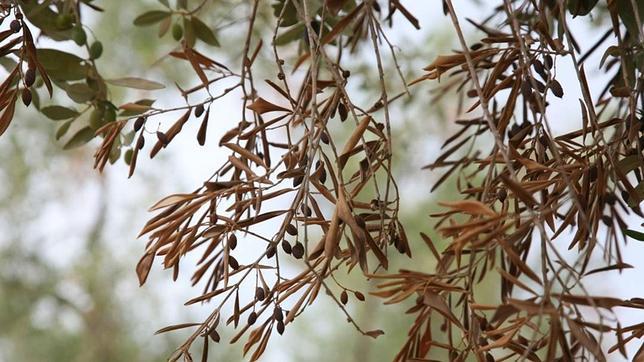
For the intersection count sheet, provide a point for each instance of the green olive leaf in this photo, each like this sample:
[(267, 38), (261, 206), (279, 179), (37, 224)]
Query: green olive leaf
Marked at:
[(151, 17), (80, 92), (136, 83), (634, 234), (80, 138), (60, 65), (62, 130), (58, 113), (203, 32)]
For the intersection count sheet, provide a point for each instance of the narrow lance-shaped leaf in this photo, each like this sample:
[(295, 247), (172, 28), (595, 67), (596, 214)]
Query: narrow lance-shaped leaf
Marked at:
[(79, 138), (637, 235), (151, 17), (204, 32), (58, 113), (136, 83)]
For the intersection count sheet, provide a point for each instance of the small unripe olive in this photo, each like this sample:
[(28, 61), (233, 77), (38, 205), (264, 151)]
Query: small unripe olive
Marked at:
[(96, 50), (177, 31), (96, 118), (79, 36), (110, 114), (128, 156)]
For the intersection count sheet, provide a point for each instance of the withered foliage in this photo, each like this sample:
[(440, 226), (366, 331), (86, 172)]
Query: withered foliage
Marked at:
[(527, 193)]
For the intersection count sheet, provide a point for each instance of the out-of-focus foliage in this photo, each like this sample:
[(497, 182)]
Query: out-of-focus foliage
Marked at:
[(50, 311)]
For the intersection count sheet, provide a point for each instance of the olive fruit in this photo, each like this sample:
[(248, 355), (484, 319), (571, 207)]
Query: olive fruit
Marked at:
[(138, 123), (96, 50), (30, 77), (96, 118), (15, 26), (110, 114), (177, 32), (26, 96), (79, 36)]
